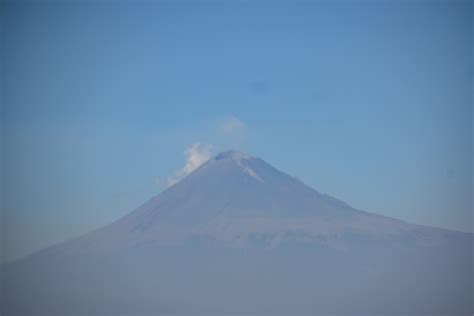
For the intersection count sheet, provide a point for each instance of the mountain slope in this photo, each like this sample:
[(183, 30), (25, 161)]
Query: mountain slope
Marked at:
[(239, 236), (234, 197)]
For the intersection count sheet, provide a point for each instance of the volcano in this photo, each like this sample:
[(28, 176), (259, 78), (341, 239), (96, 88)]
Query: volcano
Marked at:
[(239, 236)]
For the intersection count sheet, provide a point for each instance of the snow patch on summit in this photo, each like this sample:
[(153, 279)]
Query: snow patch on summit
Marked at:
[(249, 170), (252, 173), (241, 160)]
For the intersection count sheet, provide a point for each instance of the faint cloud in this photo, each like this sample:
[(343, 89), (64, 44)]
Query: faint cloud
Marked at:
[(196, 155), (232, 125), (232, 132), (232, 128)]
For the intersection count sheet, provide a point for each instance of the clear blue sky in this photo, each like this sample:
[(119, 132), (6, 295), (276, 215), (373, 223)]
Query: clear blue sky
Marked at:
[(368, 101)]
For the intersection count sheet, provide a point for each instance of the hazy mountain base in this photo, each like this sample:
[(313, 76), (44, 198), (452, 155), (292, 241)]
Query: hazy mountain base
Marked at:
[(293, 278)]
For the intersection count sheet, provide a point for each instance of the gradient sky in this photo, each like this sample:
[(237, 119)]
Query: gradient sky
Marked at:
[(368, 101)]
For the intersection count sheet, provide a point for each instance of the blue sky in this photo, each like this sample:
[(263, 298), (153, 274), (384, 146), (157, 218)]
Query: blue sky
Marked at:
[(368, 101)]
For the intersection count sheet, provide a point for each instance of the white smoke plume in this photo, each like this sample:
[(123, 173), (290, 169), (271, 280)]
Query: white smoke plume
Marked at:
[(196, 155)]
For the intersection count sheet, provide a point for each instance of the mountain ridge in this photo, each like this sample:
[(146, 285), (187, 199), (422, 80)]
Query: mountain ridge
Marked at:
[(233, 198), (146, 214)]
